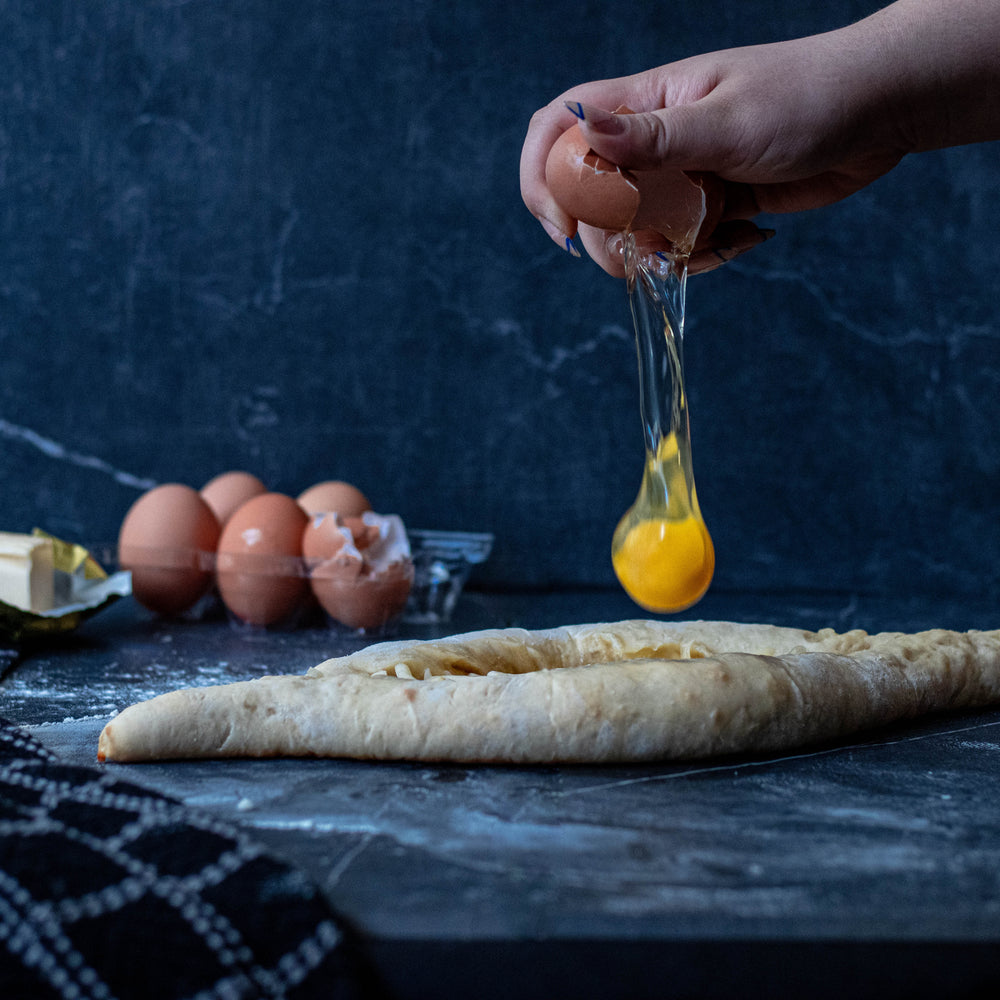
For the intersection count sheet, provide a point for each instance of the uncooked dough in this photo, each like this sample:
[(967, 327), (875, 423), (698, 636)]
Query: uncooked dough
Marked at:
[(612, 692)]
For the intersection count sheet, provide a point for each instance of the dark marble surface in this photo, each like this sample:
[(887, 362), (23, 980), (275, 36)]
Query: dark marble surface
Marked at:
[(867, 868)]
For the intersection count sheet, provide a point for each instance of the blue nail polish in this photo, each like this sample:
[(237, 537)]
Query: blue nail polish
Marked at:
[(577, 108), (571, 247)]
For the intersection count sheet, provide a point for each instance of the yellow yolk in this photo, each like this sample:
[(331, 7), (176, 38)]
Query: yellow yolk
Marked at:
[(662, 552), (665, 564)]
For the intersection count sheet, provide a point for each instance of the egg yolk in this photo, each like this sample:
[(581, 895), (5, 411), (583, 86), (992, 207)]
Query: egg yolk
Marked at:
[(666, 564), (662, 552)]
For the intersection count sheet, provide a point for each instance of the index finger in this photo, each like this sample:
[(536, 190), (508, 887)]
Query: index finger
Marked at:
[(546, 125)]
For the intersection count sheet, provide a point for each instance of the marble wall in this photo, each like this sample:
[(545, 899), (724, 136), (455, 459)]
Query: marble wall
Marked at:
[(291, 240)]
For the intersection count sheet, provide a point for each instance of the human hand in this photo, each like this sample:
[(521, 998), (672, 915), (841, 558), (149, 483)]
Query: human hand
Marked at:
[(787, 127)]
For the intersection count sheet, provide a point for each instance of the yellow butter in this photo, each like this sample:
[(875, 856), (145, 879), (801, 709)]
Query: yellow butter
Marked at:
[(27, 575)]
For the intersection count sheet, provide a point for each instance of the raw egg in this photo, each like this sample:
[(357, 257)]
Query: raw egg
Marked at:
[(677, 205), (661, 551), (228, 491), (334, 495), (259, 569), (168, 540), (360, 568)]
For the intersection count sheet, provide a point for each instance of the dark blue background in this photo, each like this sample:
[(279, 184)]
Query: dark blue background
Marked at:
[(289, 238)]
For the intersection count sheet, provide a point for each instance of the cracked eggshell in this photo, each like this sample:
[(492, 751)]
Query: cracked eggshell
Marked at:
[(361, 572), (259, 569), (167, 540), (588, 187), (599, 193), (362, 598), (329, 534)]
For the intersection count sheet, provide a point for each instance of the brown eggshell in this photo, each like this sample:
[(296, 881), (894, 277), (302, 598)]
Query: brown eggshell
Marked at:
[(334, 495), (228, 491), (365, 531), (259, 571), (588, 187), (326, 535), (323, 538), (360, 597), (167, 540), (360, 568), (678, 205)]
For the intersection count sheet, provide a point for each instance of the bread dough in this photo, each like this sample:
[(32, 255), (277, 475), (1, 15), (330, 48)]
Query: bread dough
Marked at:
[(618, 692)]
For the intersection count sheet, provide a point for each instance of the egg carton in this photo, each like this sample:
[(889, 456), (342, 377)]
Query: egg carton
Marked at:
[(413, 576)]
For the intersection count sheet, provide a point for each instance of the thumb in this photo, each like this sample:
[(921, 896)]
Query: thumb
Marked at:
[(683, 136)]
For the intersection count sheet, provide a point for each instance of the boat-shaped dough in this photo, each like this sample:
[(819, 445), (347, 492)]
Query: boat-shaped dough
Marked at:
[(611, 692)]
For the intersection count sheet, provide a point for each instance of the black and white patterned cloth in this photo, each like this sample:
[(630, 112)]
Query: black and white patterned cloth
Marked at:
[(108, 890)]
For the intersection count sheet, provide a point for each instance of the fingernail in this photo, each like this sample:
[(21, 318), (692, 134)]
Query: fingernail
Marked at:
[(559, 237), (727, 253), (597, 119)]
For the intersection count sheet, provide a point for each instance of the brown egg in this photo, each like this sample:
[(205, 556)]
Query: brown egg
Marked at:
[(591, 189), (360, 567), (168, 540), (594, 191), (259, 570), (228, 491), (334, 495)]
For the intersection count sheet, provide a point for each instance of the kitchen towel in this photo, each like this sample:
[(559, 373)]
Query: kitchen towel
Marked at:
[(109, 890)]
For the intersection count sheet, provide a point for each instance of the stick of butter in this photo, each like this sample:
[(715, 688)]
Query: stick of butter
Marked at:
[(26, 572)]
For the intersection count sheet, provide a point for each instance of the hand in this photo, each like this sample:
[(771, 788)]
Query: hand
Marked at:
[(789, 126), (755, 117)]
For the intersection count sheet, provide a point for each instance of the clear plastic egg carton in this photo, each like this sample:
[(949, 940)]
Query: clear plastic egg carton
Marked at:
[(413, 577), (442, 564)]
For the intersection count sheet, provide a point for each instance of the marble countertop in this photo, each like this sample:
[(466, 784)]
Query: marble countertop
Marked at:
[(870, 867)]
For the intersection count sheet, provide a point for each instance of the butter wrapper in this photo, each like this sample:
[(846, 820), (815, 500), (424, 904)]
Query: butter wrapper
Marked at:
[(48, 586)]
